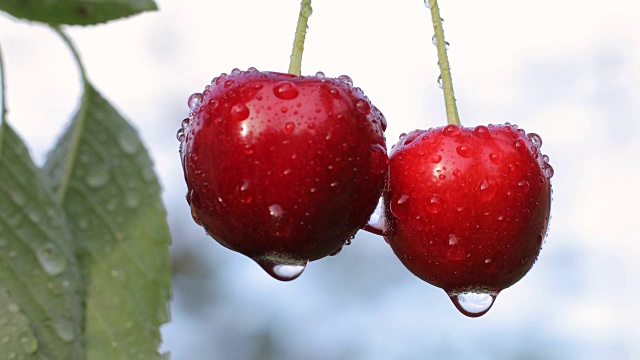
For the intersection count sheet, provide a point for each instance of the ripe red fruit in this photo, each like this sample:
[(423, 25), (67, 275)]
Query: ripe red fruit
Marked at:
[(467, 209), (281, 168)]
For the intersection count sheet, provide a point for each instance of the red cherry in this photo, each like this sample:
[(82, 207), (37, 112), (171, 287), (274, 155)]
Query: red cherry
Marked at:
[(467, 209), (283, 169)]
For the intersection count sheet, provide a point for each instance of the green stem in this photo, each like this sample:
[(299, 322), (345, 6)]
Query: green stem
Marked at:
[(76, 56), (443, 61), (295, 65)]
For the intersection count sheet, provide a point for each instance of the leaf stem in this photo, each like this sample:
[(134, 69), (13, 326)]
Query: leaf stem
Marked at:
[(295, 64), (76, 56), (443, 61)]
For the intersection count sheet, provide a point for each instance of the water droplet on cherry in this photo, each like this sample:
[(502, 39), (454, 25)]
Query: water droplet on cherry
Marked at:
[(495, 158), (239, 112), (524, 186), (289, 127), (320, 75), (363, 107), (194, 101), (281, 271), (473, 304), (279, 221), (482, 132), (451, 130), (487, 189), (286, 90), (520, 144), (435, 204), (464, 150), (436, 158), (244, 192), (346, 79), (536, 140)]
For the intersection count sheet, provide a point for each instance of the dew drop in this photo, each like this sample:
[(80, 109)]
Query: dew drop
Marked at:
[(451, 130), (482, 132), (363, 107), (436, 158), (51, 259), (285, 90), (282, 271), (194, 101), (439, 81), (487, 189), (453, 240), (335, 93), (244, 192), (98, 176), (426, 4), (320, 75), (536, 140), (346, 79), (473, 304), (65, 330), (435, 204), (464, 150), (239, 112)]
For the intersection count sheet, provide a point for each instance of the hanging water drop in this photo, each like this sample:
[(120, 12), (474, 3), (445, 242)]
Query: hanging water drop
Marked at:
[(427, 4), (281, 271), (51, 259), (473, 304), (439, 81)]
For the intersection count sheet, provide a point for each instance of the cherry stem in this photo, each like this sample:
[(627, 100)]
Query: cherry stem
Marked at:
[(374, 230), (443, 62), (295, 64)]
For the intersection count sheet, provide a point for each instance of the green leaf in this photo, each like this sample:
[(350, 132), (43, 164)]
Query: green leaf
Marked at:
[(104, 178), (75, 12), (40, 299)]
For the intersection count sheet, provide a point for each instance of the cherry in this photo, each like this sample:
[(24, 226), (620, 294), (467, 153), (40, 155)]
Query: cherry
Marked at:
[(467, 208), (282, 168)]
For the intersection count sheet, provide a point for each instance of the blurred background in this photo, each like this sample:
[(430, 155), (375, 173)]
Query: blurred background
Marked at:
[(567, 70)]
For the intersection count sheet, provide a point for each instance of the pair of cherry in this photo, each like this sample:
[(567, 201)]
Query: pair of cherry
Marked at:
[(286, 169)]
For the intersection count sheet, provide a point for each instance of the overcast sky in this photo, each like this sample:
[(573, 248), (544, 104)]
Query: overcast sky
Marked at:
[(567, 70)]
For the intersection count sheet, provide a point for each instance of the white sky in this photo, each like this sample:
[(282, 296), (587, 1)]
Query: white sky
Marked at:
[(567, 70)]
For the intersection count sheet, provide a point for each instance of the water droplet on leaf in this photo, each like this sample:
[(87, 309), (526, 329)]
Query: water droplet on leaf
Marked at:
[(98, 176), (51, 259), (65, 330)]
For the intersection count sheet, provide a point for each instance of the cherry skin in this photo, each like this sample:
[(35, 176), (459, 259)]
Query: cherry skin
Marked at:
[(283, 169), (467, 209)]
